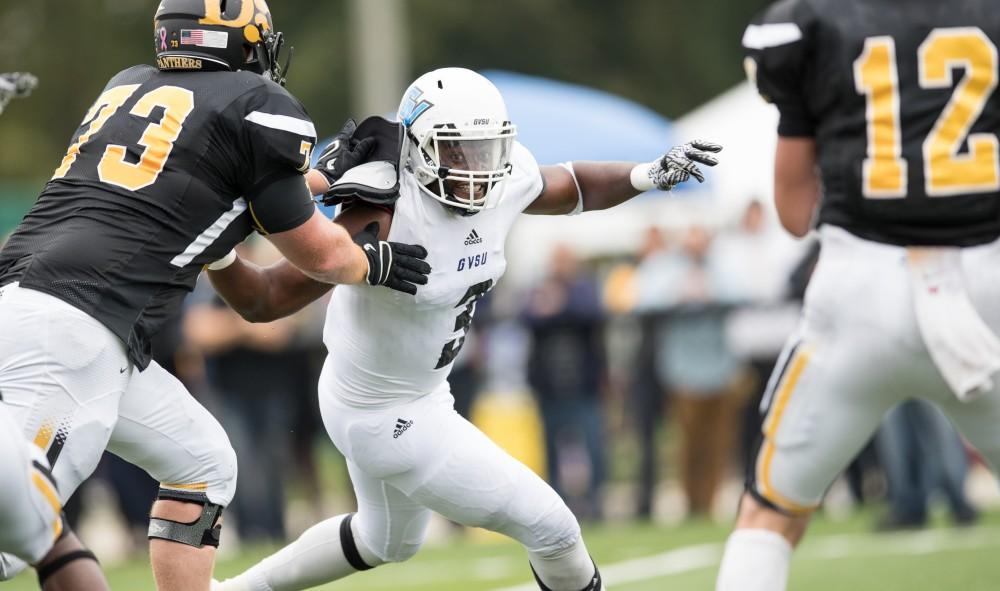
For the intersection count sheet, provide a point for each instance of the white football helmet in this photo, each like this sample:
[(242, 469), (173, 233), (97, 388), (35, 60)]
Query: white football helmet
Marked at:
[(458, 138)]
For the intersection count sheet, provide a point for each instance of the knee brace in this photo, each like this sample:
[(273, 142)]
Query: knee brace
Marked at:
[(204, 531)]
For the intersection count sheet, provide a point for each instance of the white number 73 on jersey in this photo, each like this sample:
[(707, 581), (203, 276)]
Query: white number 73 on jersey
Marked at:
[(945, 171)]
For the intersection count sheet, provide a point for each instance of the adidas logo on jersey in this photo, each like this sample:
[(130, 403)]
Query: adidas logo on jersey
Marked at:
[(473, 238), (401, 426)]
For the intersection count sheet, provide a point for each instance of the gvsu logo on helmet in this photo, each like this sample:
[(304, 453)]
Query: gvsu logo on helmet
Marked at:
[(413, 106)]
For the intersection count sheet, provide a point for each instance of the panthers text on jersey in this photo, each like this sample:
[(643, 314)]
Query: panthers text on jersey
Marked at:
[(900, 98), (167, 172), (385, 346)]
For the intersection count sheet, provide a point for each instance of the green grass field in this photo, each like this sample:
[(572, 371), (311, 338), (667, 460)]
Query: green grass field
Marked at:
[(836, 556)]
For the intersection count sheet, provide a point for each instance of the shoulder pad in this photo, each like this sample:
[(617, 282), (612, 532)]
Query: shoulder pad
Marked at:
[(375, 182)]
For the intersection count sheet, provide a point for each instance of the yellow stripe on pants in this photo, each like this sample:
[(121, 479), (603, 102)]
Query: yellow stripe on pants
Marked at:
[(797, 366)]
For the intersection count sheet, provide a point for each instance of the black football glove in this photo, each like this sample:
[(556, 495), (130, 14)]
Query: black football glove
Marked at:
[(678, 165), (397, 266), (344, 153)]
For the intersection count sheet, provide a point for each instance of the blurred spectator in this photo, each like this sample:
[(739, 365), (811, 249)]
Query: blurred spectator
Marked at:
[(262, 375), (646, 393), (566, 369), (692, 359), (758, 258), (306, 424), (922, 453)]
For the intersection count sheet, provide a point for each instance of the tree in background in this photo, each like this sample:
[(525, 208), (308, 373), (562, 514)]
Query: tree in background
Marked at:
[(666, 54)]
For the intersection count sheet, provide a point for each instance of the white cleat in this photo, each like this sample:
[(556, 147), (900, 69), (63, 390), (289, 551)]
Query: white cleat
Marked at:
[(11, 566)]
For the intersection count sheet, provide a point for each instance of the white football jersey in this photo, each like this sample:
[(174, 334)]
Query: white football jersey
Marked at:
[(387, 347)]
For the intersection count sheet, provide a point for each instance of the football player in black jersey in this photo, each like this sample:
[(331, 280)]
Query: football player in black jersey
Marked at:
[(172, 167), (888, 142)]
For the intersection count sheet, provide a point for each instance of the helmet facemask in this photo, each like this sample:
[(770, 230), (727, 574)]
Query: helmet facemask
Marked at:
[(467, 168), (266, 54)]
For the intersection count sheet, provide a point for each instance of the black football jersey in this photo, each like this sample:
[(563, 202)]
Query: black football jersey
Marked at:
[(900, 96), (168, 172)]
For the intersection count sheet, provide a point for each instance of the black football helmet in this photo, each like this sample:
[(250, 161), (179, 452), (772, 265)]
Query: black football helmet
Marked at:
[(218, 35)]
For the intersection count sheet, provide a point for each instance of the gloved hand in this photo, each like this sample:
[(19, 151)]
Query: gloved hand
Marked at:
[(20, 84), (395, 265), (344, 153), (676, 166), (15, 85)]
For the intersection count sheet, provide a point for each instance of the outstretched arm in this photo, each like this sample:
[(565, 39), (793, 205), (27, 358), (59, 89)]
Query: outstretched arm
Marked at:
[(602, 185)]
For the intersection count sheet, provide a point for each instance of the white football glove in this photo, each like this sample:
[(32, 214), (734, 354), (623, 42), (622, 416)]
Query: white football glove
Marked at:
[(15, 85), (675, 167)]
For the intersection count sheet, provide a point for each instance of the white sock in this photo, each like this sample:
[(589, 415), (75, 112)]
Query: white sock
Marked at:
[(754, 560), (570, 569), (315, 558)]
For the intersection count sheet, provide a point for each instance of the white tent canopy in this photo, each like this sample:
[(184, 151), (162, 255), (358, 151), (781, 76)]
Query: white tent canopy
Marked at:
[(738, 119), (747, 128)]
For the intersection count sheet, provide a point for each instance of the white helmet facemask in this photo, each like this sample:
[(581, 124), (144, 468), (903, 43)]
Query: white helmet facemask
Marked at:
[(471, 166), (460, 141)]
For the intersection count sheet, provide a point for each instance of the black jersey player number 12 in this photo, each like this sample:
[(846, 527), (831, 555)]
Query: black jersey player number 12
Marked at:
[(946, 172), (157, 139)]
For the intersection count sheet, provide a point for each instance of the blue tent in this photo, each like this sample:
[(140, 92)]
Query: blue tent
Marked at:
[(558, 121)]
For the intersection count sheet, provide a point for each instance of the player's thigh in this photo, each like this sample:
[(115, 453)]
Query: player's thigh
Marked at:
[(389, 523), (166, 432), (62, 375), (29, 504), (981, 271), (977, 420), (824, 403), (437, 459), (471, 480)]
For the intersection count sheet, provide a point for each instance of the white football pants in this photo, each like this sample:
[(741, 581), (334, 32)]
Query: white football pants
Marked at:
[(859, 352), (422, 456), (30, 519), (67, 382)]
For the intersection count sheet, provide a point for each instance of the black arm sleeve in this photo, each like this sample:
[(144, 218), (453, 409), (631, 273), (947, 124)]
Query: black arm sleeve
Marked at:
[(281, 203), (279, 137)]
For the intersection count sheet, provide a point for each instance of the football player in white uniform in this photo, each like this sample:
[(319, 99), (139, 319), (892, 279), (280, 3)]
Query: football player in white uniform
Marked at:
[(384, 393)]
